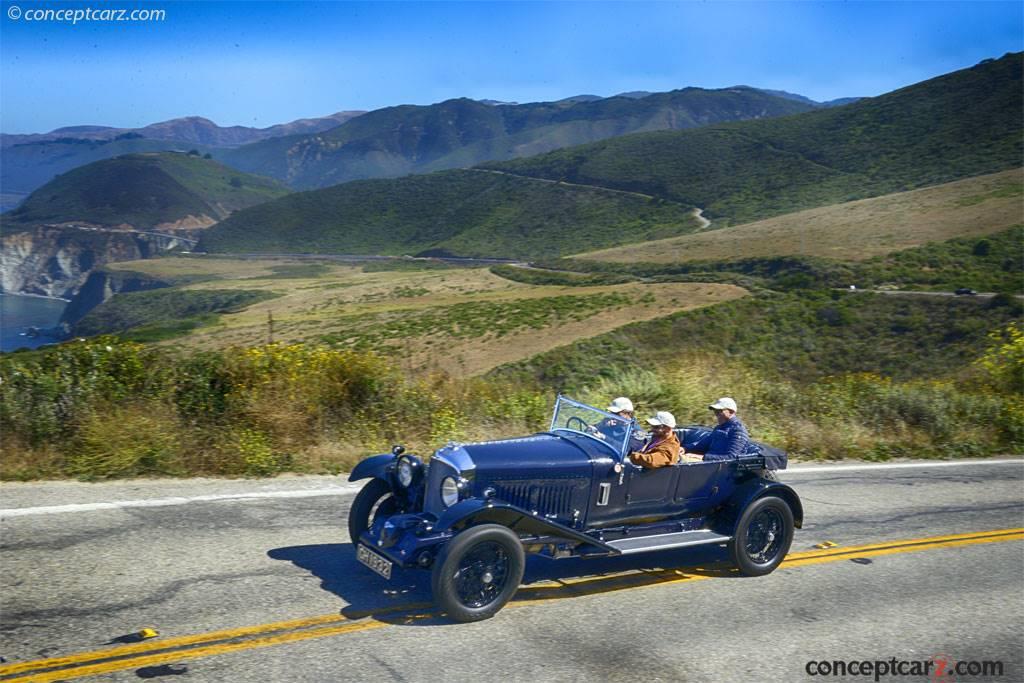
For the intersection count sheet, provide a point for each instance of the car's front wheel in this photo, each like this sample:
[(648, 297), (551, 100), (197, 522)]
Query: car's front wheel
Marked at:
[(373, 499), (478, 572), (763, 536)]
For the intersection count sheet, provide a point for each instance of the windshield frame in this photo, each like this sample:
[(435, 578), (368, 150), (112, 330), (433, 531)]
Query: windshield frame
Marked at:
[(565, 401)]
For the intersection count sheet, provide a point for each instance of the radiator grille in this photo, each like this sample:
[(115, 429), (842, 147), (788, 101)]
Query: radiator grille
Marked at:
[(546, 499)]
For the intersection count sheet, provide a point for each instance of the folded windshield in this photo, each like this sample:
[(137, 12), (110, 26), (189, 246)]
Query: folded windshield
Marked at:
[(597, 424)]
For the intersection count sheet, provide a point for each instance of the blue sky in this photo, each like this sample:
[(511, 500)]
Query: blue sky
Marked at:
[(260, 63)]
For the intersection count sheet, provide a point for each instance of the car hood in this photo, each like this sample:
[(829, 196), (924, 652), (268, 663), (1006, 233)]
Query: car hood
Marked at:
[(536, 455)]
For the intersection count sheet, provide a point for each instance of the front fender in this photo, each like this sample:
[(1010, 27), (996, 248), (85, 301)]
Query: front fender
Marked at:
[(374, 466), (750, 491), (476, 511)]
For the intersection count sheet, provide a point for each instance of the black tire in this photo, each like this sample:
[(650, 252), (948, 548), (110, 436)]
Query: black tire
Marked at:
[(763, 536), (359, 515), (478, 572)]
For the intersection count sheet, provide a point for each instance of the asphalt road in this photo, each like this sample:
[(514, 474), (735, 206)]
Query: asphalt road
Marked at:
[(255, 581)]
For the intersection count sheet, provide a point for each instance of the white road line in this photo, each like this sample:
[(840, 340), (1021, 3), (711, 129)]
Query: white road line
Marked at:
[(900, 466), (165, 502), (352, 488)]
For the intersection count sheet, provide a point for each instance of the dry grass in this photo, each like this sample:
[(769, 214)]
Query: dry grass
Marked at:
[(853, 230), (463, 358), (213, 266), (309, 308)]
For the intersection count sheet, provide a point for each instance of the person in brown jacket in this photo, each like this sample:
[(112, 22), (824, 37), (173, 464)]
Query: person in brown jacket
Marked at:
[(663, 447)]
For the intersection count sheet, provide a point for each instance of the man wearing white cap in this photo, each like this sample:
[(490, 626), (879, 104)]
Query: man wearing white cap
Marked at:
[(663, 447), (616, 429), (729, 439)]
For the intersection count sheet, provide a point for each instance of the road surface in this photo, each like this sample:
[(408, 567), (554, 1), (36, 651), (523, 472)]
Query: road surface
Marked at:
[(256, 581)]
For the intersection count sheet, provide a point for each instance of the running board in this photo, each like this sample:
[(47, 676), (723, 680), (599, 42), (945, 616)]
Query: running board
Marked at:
[(680, 539)]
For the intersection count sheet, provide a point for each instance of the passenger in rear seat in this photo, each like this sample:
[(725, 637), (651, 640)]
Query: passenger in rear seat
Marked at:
[(729, 439)]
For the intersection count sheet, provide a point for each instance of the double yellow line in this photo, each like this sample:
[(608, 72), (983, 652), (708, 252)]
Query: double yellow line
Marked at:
[(277, 633)]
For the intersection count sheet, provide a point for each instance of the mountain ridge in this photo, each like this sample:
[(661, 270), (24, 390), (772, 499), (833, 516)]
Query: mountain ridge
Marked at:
[(958, 125), (962, 124), (461, 132)]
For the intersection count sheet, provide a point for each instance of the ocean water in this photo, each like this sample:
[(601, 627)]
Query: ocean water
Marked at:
[(19, 313)]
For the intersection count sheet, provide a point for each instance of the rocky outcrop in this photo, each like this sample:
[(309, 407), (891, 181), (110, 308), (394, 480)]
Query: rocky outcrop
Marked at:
[(100, 286), (56, 261)]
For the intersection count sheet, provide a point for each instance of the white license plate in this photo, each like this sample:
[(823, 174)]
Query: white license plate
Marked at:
[(374, 561)]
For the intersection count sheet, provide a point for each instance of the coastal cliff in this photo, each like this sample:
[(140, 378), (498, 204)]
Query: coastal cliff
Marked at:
[(56, 261), (100, 286)]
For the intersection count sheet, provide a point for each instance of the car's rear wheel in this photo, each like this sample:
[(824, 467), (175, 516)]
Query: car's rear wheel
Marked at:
[(478, 572), (374, 499), (763, 536)]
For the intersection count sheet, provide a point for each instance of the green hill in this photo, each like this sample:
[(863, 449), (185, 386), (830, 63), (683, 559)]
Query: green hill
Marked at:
[(396, 141), (959, 125), (28, 166), (962, 124), (143, 191), (468, 213)]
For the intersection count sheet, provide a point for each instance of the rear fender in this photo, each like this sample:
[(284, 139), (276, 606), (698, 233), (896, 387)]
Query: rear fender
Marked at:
[(474, 511), (374, 466), (750, 491)]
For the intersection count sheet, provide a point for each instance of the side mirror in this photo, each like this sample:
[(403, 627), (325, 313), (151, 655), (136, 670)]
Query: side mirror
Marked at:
[(398, 450)]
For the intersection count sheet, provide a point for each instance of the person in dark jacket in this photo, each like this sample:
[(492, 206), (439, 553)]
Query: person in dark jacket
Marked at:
[(616, 429), (729, 439)]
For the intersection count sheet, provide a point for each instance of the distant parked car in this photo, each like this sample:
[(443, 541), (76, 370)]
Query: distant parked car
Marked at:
[(473, 513), (964, 291)]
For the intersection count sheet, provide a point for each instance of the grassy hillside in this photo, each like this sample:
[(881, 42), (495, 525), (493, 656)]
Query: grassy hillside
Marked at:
[(143, 191), (992, 263), (463, 321), (799, 336), (962, 124), (157, 314), (468, 213), (105, 408), (855, 230), (28, 166), (457, 133)]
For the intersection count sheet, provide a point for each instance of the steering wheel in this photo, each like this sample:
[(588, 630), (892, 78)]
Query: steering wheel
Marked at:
[(577, 423)]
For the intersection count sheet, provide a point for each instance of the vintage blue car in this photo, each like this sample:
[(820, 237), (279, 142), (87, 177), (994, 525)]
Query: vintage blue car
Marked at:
[(475, 510)]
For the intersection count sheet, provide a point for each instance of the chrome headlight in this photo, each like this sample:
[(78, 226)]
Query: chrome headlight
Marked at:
[(404, 473), (449, 491)]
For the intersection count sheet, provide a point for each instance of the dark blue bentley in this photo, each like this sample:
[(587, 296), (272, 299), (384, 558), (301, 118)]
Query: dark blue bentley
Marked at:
[(475, 511)]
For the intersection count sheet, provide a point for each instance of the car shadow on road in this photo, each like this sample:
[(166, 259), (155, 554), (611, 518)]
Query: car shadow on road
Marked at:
[(406, 599)]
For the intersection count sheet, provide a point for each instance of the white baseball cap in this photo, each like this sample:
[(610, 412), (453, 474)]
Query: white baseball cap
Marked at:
[(663, 417), (724, 403), (620, 404)]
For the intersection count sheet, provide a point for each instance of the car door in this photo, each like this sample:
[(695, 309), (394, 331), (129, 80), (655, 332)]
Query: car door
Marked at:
[(696, 482)]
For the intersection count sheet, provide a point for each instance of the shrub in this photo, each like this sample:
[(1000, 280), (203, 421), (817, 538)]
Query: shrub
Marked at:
[(124, 441)]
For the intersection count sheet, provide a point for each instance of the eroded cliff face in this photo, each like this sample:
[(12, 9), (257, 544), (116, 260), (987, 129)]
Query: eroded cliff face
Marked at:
[(100, 286), (56, 261)]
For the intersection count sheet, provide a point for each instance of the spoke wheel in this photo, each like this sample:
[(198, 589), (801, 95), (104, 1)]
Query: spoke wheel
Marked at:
[(763, 536), (482, 574), (478, 572)]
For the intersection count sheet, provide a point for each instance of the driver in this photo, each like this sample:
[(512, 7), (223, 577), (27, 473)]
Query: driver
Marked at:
[(663, 447), (616, 429)]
